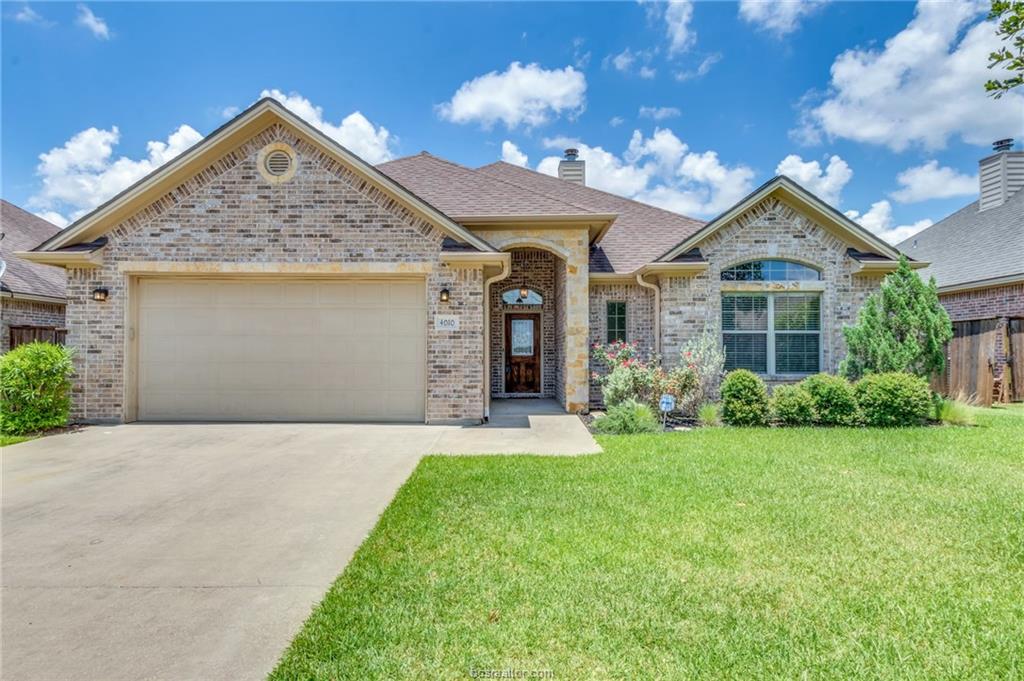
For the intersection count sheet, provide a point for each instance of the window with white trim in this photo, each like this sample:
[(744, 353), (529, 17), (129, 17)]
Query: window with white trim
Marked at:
[(772, 333)]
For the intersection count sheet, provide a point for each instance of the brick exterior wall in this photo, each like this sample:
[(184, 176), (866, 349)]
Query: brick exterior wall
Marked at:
[(771, 229), (534, 269), (639, 320), (997, 302), (230, 213), (17, 312)]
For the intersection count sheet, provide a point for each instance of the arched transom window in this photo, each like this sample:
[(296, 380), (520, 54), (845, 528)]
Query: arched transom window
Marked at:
[(522, 296), (770, 270)]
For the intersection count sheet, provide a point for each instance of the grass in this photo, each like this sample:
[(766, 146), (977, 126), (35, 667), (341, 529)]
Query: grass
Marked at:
[(8, 440), (721, 553)]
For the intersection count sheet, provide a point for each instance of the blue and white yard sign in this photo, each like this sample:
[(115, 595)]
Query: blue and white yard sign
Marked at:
[(667, 403)]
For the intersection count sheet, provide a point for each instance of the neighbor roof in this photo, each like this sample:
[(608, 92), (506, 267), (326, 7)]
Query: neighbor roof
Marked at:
[(23, 231), (972, 246), (639, 234)]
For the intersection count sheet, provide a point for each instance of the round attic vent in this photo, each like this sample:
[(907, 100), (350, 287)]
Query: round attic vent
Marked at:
[(278, 163)]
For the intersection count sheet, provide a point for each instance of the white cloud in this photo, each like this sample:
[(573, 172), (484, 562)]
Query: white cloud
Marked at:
[(53, 217), (702, 69), (923, 87), (580, 59), (660, 170), (779, 17), (681, 35), (229, 111), (659, 113), (510, 153), (83, 173), (930, 181), (97, 26), (878, 220), (827, 183), (355, 132), (527, 95), (632, 61), (27, 15), (647, 72), (616, 121)]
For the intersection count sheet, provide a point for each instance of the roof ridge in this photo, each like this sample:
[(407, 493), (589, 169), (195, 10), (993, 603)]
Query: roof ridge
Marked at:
[(593, 189)]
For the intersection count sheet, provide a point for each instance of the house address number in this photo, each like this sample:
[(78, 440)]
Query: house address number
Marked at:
[(446, 322)]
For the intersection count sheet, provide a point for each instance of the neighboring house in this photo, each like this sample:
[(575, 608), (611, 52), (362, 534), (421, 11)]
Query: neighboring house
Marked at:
[(32, 296), (269, 273), (977, 259)]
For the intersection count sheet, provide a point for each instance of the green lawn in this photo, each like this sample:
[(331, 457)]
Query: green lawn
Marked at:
[(7, 440), (719, 553)]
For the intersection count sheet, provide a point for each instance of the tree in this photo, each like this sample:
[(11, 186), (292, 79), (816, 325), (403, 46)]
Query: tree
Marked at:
[(901, 327), (1010, 14)]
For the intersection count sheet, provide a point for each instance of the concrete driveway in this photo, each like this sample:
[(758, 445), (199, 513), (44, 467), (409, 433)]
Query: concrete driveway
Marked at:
[(184, 551)]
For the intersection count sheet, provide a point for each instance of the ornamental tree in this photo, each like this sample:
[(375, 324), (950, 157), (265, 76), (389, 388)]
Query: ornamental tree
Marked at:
[(901, 327)]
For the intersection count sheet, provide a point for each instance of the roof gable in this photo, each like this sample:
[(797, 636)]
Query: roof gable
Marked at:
[(228, 137), (791, 193)]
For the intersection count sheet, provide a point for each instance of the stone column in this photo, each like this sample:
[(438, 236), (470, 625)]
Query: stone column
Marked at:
[(576, 303)]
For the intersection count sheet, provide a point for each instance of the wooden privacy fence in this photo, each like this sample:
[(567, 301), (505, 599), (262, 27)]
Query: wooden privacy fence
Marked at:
[(972, 362), (1015, 359), (29, 334)]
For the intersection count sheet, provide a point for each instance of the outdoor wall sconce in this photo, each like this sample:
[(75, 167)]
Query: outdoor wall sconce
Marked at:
[(445, 295), (524, 293), (100, 294)]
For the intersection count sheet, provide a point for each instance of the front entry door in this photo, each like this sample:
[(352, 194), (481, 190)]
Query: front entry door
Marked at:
[(522, 353)]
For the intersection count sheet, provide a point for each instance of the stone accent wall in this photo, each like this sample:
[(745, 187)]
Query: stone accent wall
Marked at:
[(534, 269), (560, 322), (17, 312), (229, 213), (771, 229), (639, 321)]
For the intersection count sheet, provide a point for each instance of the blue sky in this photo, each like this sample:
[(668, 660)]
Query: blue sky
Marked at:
[(876, 106)]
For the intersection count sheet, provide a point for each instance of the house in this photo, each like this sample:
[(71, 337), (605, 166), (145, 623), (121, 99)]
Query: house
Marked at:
[(269, 273), (31, 295), (977, 259)]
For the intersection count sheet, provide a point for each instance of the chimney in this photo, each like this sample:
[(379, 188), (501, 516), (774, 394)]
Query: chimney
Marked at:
[(571, 168), (1000, 175)]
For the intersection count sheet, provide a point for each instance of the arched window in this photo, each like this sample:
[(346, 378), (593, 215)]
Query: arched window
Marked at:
[(522, 296), (770, 270)]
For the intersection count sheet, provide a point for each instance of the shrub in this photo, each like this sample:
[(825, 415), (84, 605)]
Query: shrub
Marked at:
[(833, 400), (954, 412), (744, 399), (901, 327), (627, 418), (792, 406), (628, 377), (707, 414), (35, 388), (704, 357), (893, 399)]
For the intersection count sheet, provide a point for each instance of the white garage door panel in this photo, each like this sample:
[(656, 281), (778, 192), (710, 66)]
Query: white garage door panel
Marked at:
[(288, 350)]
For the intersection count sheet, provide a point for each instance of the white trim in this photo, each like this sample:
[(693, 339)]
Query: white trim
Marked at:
[(33, 298), (995, 282)]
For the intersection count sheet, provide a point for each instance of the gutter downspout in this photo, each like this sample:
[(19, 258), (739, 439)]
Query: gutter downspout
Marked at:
[(657, 310), (506, 269)]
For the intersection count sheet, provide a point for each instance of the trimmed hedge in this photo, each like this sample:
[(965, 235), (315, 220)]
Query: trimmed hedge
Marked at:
[(35, 388), (835, 403), (792, 406), (893, 399), (744, 399)]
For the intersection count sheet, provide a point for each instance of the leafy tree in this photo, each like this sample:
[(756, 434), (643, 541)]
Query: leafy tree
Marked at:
[(901, 327), (1010, 14)]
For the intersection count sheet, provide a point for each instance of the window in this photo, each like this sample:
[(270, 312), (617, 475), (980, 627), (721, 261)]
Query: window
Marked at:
[(770, 270), (515, 297), (772, 333), (616, 321)]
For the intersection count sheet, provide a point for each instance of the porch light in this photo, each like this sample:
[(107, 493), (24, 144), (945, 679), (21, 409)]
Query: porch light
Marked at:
[(524, 293), (445, 295), (100, 294)]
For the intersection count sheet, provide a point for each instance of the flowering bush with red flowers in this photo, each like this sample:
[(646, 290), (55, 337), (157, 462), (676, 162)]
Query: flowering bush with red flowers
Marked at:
[(628, 376)]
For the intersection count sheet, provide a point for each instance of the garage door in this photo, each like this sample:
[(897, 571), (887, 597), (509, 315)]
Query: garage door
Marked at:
[(291, 350)]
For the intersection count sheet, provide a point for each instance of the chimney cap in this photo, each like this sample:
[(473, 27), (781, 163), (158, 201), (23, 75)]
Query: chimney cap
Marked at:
[(571, 154), (1003, 145)]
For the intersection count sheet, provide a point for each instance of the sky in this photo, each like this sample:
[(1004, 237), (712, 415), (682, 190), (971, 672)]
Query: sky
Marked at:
[(877, 107)]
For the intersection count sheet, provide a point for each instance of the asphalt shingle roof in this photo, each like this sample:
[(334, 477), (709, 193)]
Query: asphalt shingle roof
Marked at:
[(639, 234), (23, 232), (972, 245)]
